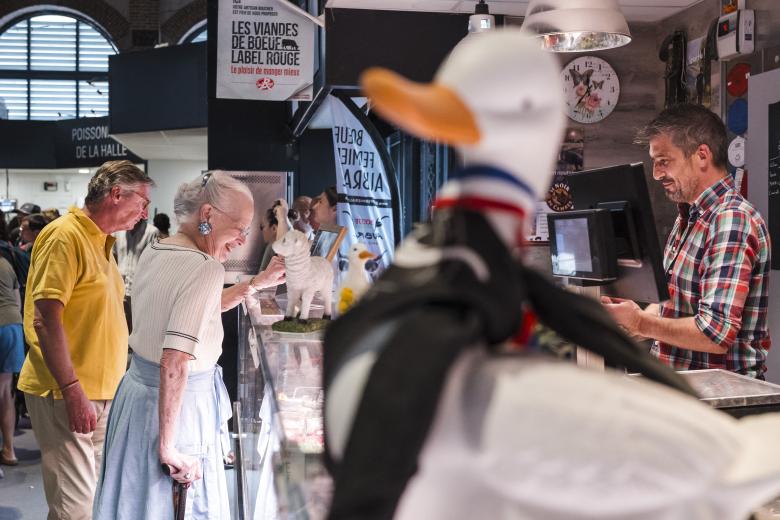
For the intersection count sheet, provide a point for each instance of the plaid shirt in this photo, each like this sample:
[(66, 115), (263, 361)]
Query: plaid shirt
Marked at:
[(717, 263)]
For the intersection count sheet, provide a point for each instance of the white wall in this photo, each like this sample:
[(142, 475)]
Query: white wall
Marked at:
[(763, 91), (27, 186), (168, 175)]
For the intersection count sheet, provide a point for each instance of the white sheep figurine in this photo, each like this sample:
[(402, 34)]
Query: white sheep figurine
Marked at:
[(306, 274)]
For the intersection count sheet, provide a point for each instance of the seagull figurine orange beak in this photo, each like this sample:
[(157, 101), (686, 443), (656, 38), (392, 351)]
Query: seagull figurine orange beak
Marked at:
[(498, 100)]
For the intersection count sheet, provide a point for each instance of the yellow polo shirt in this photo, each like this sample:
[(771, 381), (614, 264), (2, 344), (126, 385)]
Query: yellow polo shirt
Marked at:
[(72, 262)]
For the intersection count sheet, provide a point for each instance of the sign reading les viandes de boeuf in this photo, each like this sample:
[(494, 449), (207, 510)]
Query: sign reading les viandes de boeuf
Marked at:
[(265, 51)]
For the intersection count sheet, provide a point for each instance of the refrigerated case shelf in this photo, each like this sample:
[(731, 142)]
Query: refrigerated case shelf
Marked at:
[(280, 391)]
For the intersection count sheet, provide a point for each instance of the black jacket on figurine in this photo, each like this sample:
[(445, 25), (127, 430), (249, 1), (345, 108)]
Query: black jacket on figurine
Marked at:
[(430, 315)]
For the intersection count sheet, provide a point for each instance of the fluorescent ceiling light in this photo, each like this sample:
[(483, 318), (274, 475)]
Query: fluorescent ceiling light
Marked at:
[(83, 170)]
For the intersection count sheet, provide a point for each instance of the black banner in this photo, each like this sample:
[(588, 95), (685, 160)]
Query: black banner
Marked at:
[(70, 143), (85, 142)]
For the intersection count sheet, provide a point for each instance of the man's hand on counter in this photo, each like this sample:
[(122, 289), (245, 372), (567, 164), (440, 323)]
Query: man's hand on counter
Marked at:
[(646, 324), (626, 313)]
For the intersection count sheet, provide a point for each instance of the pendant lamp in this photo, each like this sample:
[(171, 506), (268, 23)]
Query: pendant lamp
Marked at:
[(577, 25)]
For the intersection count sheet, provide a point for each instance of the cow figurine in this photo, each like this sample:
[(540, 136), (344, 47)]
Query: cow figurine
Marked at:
[(305, 274)]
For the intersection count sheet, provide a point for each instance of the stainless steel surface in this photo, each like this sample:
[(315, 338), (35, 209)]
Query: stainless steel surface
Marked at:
[(724, 389)]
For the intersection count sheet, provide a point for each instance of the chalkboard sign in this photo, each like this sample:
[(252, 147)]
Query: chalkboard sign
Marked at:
[(774, 182)]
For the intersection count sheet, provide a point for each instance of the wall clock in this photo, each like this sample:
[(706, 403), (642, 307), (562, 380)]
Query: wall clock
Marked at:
[(591, 87)]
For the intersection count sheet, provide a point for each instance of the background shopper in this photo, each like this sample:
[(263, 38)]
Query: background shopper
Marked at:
[(323, 208), (75, 325), (174, 388), (163, 225), (11, 351), (128, 248), (268, 229), (29, 230), (51, 214), (28, 208)]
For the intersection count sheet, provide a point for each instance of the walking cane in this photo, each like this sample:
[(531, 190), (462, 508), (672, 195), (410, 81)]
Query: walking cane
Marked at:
[(179, 495)]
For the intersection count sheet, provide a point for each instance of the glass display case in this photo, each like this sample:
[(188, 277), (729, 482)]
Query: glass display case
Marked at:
[(279, 436), (280, 472)]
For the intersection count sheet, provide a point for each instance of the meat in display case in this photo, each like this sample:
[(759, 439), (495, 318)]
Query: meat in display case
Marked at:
[(281, 474)]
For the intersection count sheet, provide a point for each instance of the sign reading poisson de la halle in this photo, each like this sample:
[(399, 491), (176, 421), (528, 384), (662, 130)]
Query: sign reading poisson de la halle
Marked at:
[(86, 142)]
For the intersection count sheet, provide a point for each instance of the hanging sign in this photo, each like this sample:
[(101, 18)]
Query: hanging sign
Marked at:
[(265, 51), (365, 205), (86, 142)]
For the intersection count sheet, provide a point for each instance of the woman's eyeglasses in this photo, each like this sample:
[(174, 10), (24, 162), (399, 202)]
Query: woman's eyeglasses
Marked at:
[(244, 231)]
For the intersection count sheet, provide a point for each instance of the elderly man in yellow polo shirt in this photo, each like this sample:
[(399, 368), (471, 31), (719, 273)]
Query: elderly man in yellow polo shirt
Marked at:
[(75, 325)]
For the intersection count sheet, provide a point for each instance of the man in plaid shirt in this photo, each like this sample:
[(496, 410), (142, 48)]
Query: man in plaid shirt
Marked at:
[(717, 258)]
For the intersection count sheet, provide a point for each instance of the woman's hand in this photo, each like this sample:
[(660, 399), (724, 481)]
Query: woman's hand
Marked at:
[(235, 294), (184, 468), (272, 276)]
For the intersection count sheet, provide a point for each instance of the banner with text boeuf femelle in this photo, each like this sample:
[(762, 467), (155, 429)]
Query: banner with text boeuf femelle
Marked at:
[(365, 205)]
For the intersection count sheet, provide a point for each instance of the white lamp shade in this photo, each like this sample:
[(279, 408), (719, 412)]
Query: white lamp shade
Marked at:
[(577, 25)]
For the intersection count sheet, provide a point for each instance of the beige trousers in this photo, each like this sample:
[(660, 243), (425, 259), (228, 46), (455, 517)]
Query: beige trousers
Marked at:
[(70, 462)]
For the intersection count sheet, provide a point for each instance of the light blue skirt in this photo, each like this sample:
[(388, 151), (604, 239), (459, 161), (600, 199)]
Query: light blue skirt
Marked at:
[(131, 485)]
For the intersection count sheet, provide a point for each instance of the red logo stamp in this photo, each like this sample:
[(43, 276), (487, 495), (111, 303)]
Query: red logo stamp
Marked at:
[(265, 83)]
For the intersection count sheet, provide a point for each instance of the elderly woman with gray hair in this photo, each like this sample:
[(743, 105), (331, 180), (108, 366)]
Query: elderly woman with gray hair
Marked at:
[(172, 405)]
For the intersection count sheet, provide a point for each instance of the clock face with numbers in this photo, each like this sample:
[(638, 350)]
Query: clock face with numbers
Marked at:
[(591, 87)]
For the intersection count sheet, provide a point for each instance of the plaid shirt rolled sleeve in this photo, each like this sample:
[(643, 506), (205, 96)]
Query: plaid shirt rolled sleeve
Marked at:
[(717, 261), (726, 273)]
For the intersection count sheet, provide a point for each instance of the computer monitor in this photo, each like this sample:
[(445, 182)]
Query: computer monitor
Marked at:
[(623, 190), (582, 246)]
